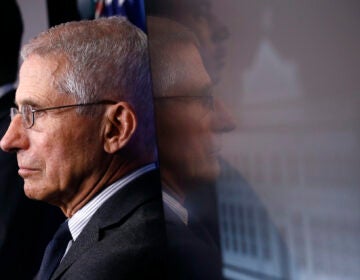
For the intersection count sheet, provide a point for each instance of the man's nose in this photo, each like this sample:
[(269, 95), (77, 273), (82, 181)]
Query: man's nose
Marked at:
[(223, 120), (15, 137)]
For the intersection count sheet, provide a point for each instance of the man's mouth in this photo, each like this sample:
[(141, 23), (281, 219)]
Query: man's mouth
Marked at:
[(26, 171)]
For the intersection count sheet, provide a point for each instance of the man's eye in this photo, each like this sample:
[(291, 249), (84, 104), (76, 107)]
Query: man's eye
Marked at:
[(40, 113)]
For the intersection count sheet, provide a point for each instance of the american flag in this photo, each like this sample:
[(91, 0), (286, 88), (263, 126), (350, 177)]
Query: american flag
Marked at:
[(133, 10)]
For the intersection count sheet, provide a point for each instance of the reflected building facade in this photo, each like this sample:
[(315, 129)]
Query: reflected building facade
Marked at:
[(298, 140)]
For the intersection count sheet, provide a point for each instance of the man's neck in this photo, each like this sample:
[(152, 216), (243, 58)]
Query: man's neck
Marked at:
[(97, 183)]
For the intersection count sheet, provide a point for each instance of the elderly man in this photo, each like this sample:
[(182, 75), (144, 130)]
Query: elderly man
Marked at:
[(84, 140), (189, 119)]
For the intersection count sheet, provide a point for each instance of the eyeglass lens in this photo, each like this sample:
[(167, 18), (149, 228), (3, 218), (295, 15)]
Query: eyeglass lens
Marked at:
[(26, 115)]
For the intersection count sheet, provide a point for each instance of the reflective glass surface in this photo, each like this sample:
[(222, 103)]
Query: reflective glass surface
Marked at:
[(283, 196)]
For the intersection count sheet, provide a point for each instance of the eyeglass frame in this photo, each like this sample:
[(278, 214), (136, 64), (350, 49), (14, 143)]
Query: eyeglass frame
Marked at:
[(209, 98), (15, 111)]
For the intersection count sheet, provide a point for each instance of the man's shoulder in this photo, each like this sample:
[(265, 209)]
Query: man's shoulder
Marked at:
[(142, 192), (126, 235), (189, 254), (137, 205)]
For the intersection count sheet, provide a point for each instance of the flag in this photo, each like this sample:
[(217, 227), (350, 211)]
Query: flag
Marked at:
[(133, 10)]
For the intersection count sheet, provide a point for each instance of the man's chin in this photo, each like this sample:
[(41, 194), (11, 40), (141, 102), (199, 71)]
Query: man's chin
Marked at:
[(29, 192), (207, 175), (33, 192)]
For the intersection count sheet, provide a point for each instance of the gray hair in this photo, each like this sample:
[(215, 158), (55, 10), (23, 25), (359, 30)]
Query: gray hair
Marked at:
[(105, 58), (166, 38)]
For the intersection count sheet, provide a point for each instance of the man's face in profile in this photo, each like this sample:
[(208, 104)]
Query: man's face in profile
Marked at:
[(187, 120), (53, 155)]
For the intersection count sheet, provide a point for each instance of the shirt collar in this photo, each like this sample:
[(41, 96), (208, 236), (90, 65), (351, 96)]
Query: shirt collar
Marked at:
[(176, 207), (79, 220)]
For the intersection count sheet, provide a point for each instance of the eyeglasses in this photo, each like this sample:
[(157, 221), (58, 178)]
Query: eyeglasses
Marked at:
[(207, 100), (28, 113)]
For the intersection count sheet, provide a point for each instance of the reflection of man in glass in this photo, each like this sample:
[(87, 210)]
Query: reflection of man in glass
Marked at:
[(199, 18), (188, 121), (211, 34), (238, 219)]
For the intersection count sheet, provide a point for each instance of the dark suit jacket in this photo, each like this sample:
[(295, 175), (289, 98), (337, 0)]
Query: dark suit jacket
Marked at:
[(125, 239), (26, 226), (192, 251)]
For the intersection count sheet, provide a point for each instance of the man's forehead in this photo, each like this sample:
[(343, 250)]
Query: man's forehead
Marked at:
[(48, 65), (36, 81), (195, 80), (190, 74)]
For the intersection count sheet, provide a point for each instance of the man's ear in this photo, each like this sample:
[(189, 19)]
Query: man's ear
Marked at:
[(121, 123)]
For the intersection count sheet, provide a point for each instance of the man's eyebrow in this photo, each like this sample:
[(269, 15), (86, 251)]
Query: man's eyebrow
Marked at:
[(27, 102)]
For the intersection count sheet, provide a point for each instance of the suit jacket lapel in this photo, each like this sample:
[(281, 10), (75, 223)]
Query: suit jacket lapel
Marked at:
[(86, 240), (115, 210)]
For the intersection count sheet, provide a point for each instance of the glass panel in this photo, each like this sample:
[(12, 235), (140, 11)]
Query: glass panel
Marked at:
[(282, 201)]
